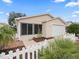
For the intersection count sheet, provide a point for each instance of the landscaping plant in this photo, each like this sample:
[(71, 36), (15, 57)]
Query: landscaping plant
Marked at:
[(60, 49), (6, 35)]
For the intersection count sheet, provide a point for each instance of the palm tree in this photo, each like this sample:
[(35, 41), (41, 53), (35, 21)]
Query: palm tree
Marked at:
[(6, 35), (60, 49)]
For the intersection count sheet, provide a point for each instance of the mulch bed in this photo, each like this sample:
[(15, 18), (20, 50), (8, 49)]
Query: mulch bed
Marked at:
[(12, 46), (41, 39)]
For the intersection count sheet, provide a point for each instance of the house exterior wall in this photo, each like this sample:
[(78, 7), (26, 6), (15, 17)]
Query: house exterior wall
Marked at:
[(35, 20), (46, 27)]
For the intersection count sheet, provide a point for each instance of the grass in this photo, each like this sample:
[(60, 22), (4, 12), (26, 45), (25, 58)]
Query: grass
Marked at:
[(60, 49)]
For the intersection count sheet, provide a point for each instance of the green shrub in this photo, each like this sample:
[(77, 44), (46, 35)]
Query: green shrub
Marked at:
[(6, 35)]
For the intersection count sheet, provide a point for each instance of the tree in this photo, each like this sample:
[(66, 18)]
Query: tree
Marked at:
[(6, 35), (60, 49), (73, 28), (12, 16)]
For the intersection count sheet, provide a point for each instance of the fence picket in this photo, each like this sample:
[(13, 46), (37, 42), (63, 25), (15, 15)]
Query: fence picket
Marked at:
[(23, 53), (2, 55), (10, 54)]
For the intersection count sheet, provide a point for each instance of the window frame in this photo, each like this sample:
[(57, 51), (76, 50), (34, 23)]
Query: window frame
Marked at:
[(38, 29), (28, 32), (22, 29), (33, 29)]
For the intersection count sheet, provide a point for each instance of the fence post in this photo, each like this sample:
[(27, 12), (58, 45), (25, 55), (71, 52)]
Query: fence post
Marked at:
[(17, 54), (2, 55), (11, 54), (32, 54), (36, 54), (28, 54), (23, 52)]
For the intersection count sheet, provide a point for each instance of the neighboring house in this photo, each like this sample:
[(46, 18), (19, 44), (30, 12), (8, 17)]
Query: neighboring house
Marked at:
[(46, 24), (69, 23)]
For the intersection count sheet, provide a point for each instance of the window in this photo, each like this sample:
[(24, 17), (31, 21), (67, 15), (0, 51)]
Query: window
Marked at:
[(37, 28), (30, 29), (23, 29), (40, 28)]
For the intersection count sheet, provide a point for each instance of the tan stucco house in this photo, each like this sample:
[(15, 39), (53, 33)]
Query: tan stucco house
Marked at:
[(46, 24)]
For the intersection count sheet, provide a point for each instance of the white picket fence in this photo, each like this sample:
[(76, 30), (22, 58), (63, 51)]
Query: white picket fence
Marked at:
[(70, 36), (31, 52)]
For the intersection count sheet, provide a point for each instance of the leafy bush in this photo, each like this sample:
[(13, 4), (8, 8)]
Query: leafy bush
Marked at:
[(73, 28), (60, 49), (6, 35)]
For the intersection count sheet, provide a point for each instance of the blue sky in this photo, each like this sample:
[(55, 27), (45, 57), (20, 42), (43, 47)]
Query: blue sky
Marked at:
[(68, 10)]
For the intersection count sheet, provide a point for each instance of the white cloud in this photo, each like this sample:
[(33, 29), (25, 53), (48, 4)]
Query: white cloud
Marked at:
[(48, 10), (4, 13), (7, 14), (7, 1), (72, 4), (74, 15), (76, 12), (59, 0)]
